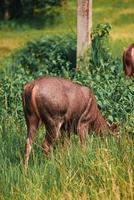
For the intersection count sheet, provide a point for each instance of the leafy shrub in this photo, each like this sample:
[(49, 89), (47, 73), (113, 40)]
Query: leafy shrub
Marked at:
[(29, 6), (103, 170), (105, 76), (99, 49), (53, 55), (56, 56), (50, 55)]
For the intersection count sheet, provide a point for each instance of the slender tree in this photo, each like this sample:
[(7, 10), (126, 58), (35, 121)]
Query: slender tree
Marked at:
[(84, 24)]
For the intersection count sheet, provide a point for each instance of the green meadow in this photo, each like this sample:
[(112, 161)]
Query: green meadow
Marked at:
[(103, 168)]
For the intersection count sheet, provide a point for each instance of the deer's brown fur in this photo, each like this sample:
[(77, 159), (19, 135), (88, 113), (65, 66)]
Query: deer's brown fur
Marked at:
[(63, 106)]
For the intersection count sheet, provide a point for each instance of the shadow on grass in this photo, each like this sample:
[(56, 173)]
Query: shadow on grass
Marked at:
[(47, 18)]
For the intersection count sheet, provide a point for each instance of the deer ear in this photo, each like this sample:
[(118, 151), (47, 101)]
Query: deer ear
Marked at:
[(113, 126)]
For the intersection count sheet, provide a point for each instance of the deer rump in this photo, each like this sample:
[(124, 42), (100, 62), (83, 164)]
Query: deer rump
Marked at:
[(62, 106)]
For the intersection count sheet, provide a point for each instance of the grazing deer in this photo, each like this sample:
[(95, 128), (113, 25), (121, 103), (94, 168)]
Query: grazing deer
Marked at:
[(62, 106)]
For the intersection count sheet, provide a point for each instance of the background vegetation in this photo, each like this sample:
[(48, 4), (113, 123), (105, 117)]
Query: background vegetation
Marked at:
[(104, 168), (13, 9), (15, 33)]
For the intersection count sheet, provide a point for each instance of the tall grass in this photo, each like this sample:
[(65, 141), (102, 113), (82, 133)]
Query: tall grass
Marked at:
[(103, 169)]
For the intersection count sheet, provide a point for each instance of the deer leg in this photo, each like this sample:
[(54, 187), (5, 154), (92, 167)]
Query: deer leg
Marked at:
[(51, 136), (32, 125), (82, 130), (129, 70)]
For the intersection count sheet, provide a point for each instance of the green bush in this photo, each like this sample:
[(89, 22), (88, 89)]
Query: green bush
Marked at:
[(99, 50), (49, 55), (56, 56), (103, 169), (29, 6), (104, 74)]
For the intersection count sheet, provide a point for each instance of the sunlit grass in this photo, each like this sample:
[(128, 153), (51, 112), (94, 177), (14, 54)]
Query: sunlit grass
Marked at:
[(101, 170), (120, 15)]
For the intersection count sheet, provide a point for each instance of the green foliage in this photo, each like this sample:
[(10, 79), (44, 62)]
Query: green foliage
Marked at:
[(49, 55), (103, 169), (10, 92), (29, 7), (52, 2), (100, 52), (11, 9), (56, 56), (104, 74)]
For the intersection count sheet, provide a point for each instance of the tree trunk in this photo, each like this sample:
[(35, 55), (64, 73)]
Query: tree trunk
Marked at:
[(84, 24)]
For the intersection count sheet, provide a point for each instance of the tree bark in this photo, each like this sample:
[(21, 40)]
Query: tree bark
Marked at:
[(84, 24)]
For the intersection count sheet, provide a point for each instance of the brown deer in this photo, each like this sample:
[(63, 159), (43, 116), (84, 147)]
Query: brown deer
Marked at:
[(63, 106), (128, 61)]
